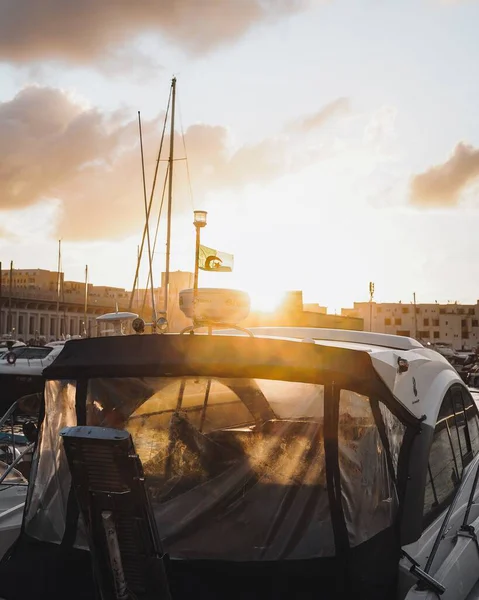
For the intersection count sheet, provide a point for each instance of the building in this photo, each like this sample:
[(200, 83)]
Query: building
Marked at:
[(455, 325), (316, 308), (37, 303), (31, 280), (293, 313)]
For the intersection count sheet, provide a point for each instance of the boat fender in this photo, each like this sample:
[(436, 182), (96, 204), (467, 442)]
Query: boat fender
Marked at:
[(11, 358)]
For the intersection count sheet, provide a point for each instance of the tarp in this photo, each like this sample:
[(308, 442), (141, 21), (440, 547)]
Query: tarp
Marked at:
[(235, 467)]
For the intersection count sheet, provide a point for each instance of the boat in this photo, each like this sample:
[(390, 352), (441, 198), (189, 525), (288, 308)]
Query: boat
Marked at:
[(8, 344), (286, 463), (21, 369), (15, 466), (13, 492), (116, 323)]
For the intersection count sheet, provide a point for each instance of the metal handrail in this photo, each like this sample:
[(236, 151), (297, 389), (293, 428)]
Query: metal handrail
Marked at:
[(212, 325), (16, 461), (445, 523), (12, 408)]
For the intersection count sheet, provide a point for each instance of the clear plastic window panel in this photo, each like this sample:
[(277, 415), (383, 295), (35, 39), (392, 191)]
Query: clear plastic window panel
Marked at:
[(473, 424), (395, 431), (47, 501), (369, 495), (444, 466), (235, 467)]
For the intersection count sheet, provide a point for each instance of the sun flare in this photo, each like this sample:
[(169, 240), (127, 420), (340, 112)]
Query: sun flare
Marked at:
[(266, 301)]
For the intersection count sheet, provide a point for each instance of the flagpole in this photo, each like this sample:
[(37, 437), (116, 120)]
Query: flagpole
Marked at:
[(199, 222)]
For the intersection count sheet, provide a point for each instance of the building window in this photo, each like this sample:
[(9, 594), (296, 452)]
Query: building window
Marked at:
[(380, 310), (42, 325), (463, 322), (447, 322), (397, 322), (435, 322), (465, 335), (436, 335), (20, 324), (426, 322), (471, 311), (387, 321), (405, 332), (405, 310), (442, 311), (31, 326), (475, 323), (423, 334)]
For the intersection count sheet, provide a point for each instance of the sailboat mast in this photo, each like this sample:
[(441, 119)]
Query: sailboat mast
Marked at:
[(58, 289), (170, 195)]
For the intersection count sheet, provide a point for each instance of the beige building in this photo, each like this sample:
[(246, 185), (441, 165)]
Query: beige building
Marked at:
[(31, 280), (456, 325), (293, 313), (316, 308)]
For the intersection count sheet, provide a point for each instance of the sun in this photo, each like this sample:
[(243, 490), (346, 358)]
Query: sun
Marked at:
[(265, 301)]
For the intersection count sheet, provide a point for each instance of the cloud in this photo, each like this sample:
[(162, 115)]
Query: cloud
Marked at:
[(335, 108), (82, 31), (442, 184), (54, 148)]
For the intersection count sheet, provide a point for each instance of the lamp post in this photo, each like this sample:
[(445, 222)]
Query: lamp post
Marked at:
[(199, 222)]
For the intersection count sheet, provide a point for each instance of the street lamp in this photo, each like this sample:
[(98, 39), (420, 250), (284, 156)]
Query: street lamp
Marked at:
[(199, 222)]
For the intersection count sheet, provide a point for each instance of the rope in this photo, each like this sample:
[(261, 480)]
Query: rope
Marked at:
[(186, 157), (140, 254)]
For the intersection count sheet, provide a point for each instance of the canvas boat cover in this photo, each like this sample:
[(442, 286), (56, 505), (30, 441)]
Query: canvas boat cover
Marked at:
[(253, 449)]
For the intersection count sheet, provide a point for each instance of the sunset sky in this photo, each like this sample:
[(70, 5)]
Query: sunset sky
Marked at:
[(331, 142)]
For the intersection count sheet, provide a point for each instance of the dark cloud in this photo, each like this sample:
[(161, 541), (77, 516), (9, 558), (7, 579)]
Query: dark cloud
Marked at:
[(87, 29), (333, 109), (52, 147), (442, 184)]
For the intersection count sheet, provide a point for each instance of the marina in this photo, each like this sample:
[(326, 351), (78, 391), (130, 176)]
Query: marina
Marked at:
[(239, 325)]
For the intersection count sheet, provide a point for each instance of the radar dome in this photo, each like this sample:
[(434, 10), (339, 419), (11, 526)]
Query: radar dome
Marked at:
[(215, 305)]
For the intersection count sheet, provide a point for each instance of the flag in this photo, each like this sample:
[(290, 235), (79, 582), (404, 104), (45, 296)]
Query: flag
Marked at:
[(212, 260)]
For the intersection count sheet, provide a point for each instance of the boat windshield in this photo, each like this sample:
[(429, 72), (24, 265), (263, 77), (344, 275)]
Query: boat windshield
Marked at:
[(14, 477), (235, 467)]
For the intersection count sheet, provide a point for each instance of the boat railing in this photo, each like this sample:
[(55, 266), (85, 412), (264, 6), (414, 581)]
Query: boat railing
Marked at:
[(8, 414), (3, 420), (210, 325), (15, 462), (465, 527)]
